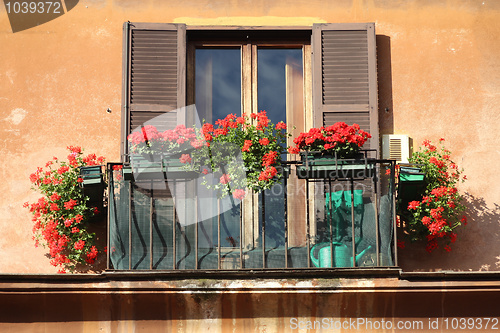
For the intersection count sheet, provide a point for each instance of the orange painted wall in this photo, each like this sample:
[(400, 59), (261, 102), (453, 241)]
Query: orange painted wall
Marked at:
[(439, 76)]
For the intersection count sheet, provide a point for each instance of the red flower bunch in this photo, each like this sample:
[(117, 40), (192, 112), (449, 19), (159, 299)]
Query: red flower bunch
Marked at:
[(243, 151), (148, 140), (435, 217), (339, 138), (60, 216)]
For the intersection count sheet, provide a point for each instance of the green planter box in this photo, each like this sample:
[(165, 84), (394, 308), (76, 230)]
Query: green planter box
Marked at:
[(91, 175), (93, 185), (163, 168), (411, 174), (316, 166), (411, 184)]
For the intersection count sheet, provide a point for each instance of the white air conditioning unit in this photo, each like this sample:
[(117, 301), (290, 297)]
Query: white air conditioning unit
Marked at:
[(396, 146)]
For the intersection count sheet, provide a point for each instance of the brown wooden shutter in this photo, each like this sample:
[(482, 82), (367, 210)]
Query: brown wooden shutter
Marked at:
[(345, 77), (154, 76)]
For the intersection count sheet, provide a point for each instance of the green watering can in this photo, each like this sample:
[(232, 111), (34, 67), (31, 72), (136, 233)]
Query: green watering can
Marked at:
[(341, 255)]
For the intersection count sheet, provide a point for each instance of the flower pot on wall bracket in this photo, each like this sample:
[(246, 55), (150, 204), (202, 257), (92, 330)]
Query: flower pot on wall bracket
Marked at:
[(316, 166), (411, 184), (91, 175), (410, 174), (128, 174), (93, 185)]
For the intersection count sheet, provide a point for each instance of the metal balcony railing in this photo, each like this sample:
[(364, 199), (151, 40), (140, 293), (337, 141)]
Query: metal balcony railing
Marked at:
[(325, 213)]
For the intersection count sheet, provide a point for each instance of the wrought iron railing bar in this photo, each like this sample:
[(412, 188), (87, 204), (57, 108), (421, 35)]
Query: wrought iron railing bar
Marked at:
[(393, 193), (130, 225), (219, 263), (196, 230), (377, 221), (285, 199), (330, 220), (111, 199), (308, 241), (353, 225), (263, 215), (151, 228), (241, 234), (174, 227)]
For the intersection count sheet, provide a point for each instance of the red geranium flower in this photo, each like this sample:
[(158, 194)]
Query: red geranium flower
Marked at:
[(70, 204), (55, 196), (224, 179), (413, 204), (79, 245), (264, 141), (239, 194), (281, 126), (185, 158), (247, 145)]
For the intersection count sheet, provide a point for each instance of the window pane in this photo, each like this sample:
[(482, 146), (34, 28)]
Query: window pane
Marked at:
[(217, 83), (280, 94), (276, 70), (217, 94)]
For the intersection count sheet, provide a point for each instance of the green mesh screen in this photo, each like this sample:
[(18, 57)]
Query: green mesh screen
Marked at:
[(155, 225)]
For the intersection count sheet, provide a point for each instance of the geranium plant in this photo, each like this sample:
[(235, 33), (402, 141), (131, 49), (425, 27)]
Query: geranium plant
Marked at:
[(241, 153), (148, 140), (61, 215), (435, 217), (340, 139)]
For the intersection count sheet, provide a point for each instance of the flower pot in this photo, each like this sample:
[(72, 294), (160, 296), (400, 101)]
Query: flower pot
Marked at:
[(317, 166), (411, 184), (128, 174), (411, 174), (93, 185), (91, 175), (167, 168)]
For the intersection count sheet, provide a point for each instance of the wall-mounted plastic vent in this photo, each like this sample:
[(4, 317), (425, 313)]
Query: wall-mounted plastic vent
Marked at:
[(397, 147)]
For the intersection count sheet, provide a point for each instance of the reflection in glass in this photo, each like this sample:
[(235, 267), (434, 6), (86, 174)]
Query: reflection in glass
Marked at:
[(280, 94), (280, 75), (217, 83), (217, 94)]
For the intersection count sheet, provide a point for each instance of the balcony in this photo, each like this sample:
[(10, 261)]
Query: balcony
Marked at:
[(324, 215)]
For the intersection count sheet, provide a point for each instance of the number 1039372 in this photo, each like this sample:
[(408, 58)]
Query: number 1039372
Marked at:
[(34, 7), (478, 323)]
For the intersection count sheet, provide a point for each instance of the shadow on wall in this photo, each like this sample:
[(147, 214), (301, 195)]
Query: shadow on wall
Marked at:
[(477, 247), (384, 77), (98, 226)]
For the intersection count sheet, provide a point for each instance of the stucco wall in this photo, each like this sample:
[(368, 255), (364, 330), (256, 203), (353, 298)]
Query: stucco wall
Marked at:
[(439, 76)]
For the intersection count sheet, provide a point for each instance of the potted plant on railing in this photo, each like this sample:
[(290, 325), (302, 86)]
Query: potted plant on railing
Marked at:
[(438, 210), (331, 152), (154, 152), (62, 214), (241, 153)]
